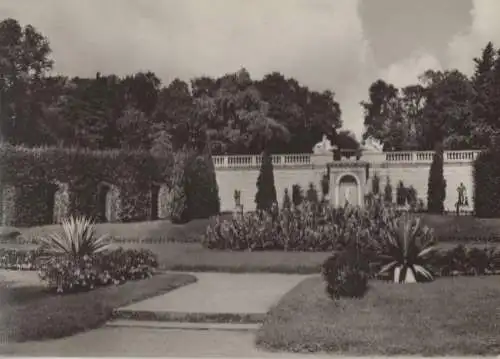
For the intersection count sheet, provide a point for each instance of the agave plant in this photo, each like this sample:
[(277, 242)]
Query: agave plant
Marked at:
[(77, 239), (404, 249)]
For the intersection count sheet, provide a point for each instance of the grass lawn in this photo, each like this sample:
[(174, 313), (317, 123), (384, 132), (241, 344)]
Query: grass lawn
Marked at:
[(450, 316), (32, 313), (156, 231), (194, 257)]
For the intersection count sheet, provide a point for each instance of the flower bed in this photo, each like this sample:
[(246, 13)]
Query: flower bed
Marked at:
[(311, 227), (64, 274)]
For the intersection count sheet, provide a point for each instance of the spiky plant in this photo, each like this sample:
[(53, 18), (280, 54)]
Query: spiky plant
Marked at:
[(405, 245), (78, 239)]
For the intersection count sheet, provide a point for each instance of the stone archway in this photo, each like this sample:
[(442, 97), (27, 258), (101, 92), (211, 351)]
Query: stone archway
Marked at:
[(348, 190)]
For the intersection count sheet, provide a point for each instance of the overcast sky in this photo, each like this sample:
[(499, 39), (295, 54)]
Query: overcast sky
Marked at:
[(341, 45)]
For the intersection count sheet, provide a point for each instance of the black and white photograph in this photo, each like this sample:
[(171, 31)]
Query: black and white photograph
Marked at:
[(250, 178)]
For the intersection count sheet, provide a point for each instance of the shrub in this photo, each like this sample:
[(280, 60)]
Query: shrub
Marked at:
[(202, 191), (375, 185), (297, 195), (312, 194), (177, 205), (77, 240), (325, 183), (346, 275), (388, 191), (266, 191), (411, 196), (18, 259), (401, 194), (461, 260), (405, 245), (487, 184), (436, 189), (287, 202)]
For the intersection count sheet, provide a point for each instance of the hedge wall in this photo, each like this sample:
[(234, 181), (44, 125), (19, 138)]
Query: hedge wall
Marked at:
[(29, 178), (487, 184)]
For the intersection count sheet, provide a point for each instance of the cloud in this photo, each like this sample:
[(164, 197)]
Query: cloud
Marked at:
[(485, 27), (407, 71)]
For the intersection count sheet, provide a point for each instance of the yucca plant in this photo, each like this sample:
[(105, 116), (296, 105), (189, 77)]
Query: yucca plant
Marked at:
[(404, 248), (78, 239)]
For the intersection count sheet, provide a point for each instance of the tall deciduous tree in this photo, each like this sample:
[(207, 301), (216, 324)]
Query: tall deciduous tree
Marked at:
[(24, 61)]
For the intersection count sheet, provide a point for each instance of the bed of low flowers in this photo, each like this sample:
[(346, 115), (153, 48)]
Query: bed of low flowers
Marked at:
[(77, 259), (109, 267)]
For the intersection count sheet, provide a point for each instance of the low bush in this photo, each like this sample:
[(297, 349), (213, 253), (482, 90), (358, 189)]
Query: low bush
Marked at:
[(346, 274), (19, 259), (461, 260)]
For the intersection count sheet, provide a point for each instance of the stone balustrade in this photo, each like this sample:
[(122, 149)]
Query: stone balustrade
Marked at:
[(305, 159)]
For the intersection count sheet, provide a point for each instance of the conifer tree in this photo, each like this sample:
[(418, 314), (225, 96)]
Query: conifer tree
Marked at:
[(266, 191), (436, 188)]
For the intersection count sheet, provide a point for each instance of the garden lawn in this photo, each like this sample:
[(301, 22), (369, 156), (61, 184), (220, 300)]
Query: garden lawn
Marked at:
[(450, 316), (32, 313), (194, 257), (148, 231)]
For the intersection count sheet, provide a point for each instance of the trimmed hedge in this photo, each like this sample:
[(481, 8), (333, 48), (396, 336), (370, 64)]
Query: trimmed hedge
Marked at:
[(487, 184), (33, 175)]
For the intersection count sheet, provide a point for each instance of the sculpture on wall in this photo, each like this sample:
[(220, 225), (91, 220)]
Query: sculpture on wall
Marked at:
[(462, 197), (324, 147)]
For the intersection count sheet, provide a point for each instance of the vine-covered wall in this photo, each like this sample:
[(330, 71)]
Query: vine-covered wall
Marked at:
[(44, 185)]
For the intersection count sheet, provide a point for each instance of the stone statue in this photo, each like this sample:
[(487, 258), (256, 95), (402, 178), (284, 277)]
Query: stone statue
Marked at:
[(462, 195), (371, 145), (324, 147)]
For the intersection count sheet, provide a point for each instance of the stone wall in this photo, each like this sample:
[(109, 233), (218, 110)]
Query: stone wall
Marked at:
[(240, 173)]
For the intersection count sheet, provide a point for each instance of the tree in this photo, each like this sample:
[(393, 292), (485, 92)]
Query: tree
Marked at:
[(297, 195), (401, 194), (266, 191), (24, 61), (388, 191), (376, 184), (436, 188), (384, 119), (306, 114), (448, 110), (312, 194), (134, 127)]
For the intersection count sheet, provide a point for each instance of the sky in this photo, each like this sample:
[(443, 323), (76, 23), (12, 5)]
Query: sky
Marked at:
[(340, 45)]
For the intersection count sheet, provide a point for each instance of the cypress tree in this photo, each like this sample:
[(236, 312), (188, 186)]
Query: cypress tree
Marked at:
[(436, 188), (266, 191)]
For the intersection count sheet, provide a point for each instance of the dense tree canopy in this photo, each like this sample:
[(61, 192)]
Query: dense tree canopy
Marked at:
[(234, 113), (444, 107)]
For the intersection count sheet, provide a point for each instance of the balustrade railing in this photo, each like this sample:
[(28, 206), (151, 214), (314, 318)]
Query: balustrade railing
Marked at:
[(304, 159)]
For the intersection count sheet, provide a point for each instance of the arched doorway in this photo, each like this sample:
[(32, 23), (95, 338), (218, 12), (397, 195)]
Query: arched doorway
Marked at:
[(348, 191)]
